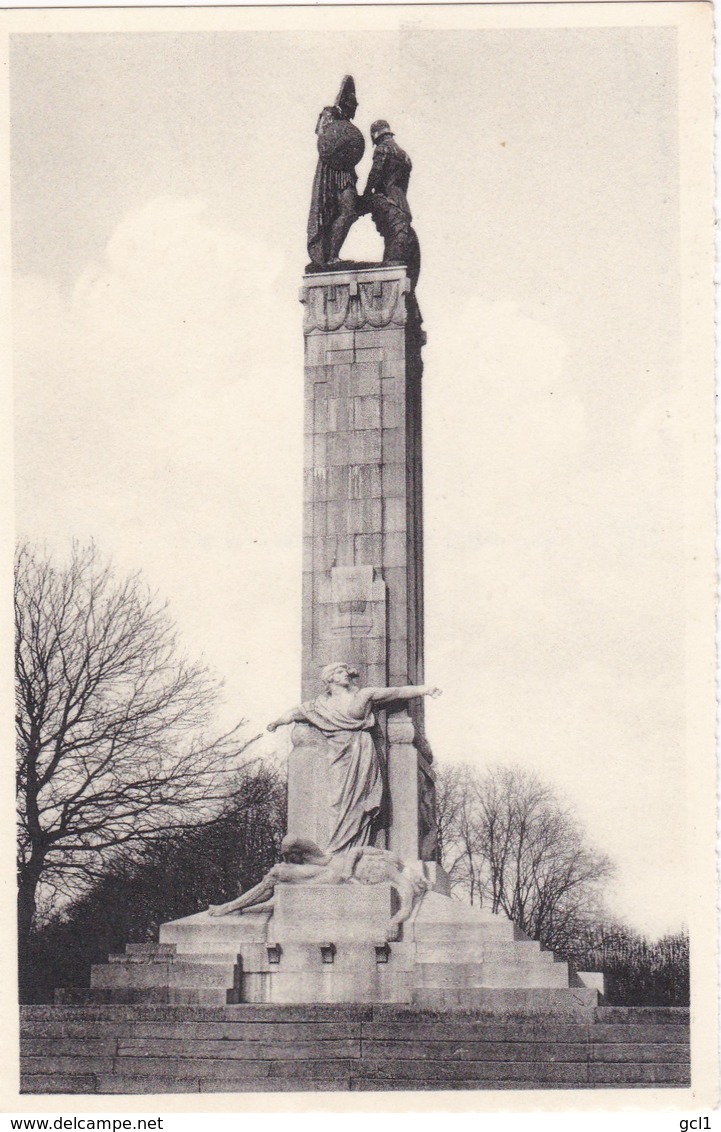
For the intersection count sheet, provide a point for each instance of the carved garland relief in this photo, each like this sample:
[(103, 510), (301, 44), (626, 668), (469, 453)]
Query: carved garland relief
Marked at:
[(353, 305)]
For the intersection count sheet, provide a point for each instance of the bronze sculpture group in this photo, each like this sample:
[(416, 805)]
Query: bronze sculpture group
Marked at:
[(335, 202)]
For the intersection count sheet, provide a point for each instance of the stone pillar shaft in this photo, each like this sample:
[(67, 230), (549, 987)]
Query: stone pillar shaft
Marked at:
[(363, 523)]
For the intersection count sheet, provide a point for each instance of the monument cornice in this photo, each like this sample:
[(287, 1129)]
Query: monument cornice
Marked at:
[(353, 299)]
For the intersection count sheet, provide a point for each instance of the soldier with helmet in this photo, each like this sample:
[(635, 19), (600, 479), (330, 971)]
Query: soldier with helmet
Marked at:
[(385, 198)]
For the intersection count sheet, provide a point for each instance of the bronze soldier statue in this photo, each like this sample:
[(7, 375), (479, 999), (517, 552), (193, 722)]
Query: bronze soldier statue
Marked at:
[(385, 198), (334, 203)]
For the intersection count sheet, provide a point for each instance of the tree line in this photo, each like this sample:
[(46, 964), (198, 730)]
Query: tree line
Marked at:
[(175, 875), (132, 811), (510, 844)]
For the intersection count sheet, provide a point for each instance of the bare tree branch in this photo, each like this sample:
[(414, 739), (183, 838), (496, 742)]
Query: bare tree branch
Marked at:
[(510, 842), (111, 722)]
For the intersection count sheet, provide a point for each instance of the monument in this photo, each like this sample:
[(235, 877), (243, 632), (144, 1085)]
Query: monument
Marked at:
[(359, 909), (348, 966)]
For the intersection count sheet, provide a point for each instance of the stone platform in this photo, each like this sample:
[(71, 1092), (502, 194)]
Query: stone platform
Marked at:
[(325, 944), (264, 1048)]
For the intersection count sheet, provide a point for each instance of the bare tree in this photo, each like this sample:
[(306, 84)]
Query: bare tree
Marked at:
[(110, 722), (176, 874), (458, 837), (514, 846)]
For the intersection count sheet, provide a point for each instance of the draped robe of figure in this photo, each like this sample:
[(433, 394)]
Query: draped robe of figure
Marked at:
[(333, 207), (355, 784)]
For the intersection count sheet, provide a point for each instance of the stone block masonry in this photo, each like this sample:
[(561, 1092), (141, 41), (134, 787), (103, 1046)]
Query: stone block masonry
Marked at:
[(146, 1049), (328, 944), (363, 525), (362, 493)]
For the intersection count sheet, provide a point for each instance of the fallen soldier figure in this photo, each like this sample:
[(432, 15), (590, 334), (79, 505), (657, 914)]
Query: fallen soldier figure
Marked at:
[(304, 863)]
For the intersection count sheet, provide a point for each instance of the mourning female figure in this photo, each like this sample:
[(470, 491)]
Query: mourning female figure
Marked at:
[(344, 715)]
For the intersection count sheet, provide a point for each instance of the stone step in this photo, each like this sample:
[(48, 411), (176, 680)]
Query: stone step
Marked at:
[(470, 1049), (400, 1084), (623, 1076), (468, 975), (484, 1073), (150, 995), (147, 958), (177, 973), (202, 932), (230, 1084), (648, 1015), (315, 1067), (665, 1077), (503, 999), (51, 1048), (633, 1032), (457, 933), (284, 1049), (438, 1052), (457, 1027), (287, 1049), (174, 956), (651, 1023), (190, 1030), (478, 951), (437, 907), (557, 1040), (462, 1029), (150, 948), (69, 1083), (135, 1076), (240, 1013)]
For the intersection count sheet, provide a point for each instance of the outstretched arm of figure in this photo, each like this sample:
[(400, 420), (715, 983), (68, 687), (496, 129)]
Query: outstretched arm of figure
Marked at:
[(257, 895), (388, 695), (295, 715)]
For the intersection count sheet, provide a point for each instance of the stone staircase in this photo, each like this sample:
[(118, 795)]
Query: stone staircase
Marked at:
[(156, 972), (147, 1049), (461, 953), (328, 945)]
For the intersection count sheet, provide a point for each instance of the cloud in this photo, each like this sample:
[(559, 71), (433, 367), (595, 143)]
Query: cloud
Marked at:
[(552, 551), (174, 294), (499, 496), (552, 511), (149, 401), (175, 313)]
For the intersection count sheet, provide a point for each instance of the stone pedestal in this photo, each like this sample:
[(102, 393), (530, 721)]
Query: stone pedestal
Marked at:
[(342, 913), (363, 531), (325, 943)]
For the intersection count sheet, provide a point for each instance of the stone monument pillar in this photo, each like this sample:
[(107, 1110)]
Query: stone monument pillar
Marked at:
[(363, 532), (339, 919)]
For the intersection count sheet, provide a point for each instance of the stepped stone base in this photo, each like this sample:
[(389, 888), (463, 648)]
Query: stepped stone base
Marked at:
[(329, 944), (265, 1048)]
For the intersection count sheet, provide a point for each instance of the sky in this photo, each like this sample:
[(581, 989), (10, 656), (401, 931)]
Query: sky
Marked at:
[(160, 188)]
